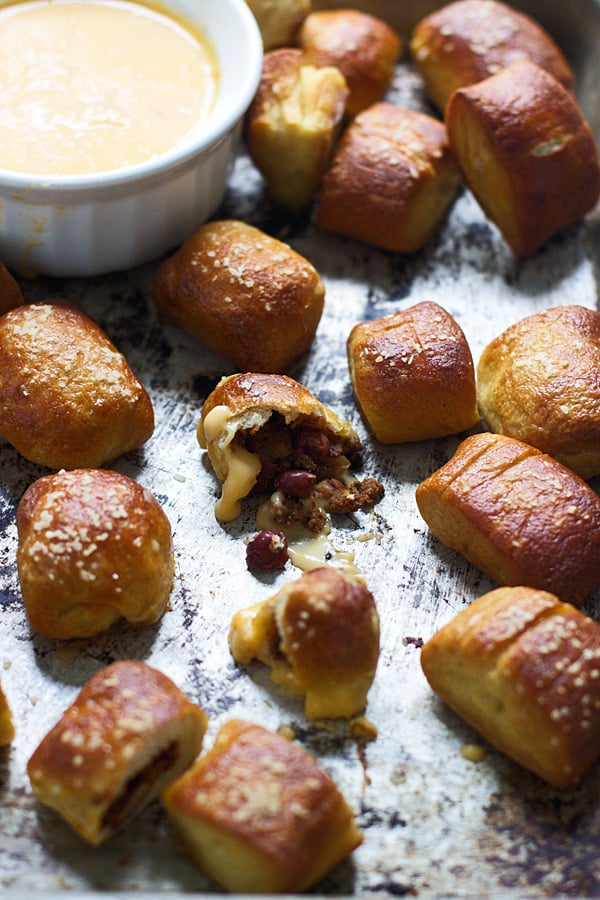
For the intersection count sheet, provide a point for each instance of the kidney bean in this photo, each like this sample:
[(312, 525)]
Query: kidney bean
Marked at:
[(296, 483), (312, 443), (267, 550)]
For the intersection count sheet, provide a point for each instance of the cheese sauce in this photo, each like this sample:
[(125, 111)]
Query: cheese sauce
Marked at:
[(87, 87), (306, 549), (242, 468)]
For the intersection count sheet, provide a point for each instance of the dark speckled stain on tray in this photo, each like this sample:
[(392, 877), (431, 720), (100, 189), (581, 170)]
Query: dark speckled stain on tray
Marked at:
[(532, 832)]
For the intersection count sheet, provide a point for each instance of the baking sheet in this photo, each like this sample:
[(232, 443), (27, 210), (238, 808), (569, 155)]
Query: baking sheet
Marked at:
[(434, 823)]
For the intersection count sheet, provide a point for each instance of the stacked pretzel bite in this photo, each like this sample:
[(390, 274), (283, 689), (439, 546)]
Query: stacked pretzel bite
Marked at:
[(517, 132)]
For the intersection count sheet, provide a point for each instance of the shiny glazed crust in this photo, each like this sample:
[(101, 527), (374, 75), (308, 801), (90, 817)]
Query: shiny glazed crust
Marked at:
[(464, 42), (279, 20), (391, 181), (522, 669), (129, 733), (517, 514), (246, 295), (94, 546), (7, 729), (68, 398), (412, 374), (325, 627), (252, 398), (539, 381), (363, 47), (258, 814), (526, 152), (292, 124)]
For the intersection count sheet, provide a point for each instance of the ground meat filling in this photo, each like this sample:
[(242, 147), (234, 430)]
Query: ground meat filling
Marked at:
[(302, 468)]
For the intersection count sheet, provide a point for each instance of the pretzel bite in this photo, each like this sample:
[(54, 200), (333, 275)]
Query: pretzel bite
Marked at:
[(267, 433), (320, 637), (93, 547), (247, 296), (68, 397), (391, 181), (259, 815), (128, 734), (363, 47), (464, 42), (517, 514), (7, 728), (292, 123), (279, 20), (522, 669), (526, 153), (10, 292), (539, 381), (412, 374)]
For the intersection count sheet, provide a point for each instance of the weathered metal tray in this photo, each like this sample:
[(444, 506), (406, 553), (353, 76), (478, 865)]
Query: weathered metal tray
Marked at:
[(435, 824)]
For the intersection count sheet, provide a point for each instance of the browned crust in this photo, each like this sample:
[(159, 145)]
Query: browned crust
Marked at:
[(526, 152), (363, 47), (517, 514), (94, 546), (292, 124), (412, 374), (123, 720), (391, 181), (524, 670), (539, 382), (244, 294), (464, 42), (68, 397), (258, 791)]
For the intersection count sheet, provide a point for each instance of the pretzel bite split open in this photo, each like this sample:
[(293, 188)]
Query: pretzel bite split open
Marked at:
[(268, 434)]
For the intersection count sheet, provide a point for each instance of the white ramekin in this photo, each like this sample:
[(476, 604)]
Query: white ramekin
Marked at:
[(92, 224)]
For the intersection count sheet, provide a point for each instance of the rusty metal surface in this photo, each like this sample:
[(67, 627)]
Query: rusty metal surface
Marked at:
[(435, 824)]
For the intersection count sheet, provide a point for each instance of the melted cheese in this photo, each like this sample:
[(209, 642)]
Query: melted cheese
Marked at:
[(306, 549), (251, 631), (97, 85), (241, 468)]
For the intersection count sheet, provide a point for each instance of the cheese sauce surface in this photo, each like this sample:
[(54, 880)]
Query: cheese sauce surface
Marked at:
[(92, 86)]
